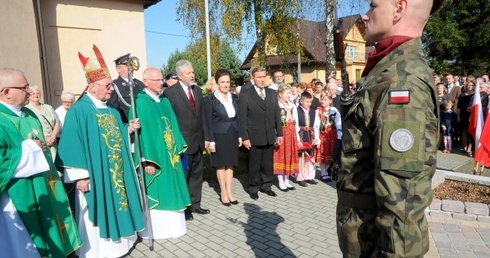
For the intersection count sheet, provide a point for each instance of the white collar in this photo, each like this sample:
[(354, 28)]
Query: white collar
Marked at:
[(156, 98), (97, 102), (17, 110)]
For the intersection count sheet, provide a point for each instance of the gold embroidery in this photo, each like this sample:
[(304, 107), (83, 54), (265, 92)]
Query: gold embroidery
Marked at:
[(114, 143), (168, 136), (52, 181)]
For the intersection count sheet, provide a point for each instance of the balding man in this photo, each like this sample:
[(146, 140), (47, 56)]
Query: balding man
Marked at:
[(390, 139), (35, 219), (161, 145)]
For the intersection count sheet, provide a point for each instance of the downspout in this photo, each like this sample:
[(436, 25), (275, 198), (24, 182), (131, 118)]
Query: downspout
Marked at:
[(44, 61)]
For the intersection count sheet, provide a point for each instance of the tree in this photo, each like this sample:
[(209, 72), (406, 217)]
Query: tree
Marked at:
[(271, 20), (457, 38), (222, 55)]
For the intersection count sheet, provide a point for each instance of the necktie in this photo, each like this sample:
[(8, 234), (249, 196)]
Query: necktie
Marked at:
[(262, 94), (191, 98)]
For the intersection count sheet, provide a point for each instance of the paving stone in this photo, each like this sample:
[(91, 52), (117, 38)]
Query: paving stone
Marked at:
[(464, 216), (485, 219), (440, 214), (476, 208), (452, 206), (435, 205)]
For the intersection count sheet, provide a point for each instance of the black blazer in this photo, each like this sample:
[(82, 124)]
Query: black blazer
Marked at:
[(192, 125), (260, 120), (123, 87), (217, 117)]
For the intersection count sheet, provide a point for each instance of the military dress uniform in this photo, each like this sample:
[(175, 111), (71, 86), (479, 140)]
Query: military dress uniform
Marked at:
[(388, 158), (121, 98)]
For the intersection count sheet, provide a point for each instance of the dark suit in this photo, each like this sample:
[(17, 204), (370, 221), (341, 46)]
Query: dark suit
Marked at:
[(123, 88), (247, 86), (194, 129), (260, 121), (217, 117)]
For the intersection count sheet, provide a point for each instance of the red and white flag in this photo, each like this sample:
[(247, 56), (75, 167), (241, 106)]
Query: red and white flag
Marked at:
[(476, 129)]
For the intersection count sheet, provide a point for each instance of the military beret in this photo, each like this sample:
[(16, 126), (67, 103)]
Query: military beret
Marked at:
[(172, 75), (122, 60), (436, 6)]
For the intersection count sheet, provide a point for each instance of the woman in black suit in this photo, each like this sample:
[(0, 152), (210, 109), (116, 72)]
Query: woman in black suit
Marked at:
[(223, 115)]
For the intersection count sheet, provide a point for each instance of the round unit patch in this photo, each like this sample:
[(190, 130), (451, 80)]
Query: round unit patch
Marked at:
[(401, 140)]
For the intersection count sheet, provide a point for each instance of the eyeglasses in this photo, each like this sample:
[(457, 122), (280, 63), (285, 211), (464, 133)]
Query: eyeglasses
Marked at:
[(156, 80), (107, 86), (67, 102), (23, 88)]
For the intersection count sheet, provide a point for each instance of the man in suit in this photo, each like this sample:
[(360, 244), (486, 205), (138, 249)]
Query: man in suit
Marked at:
[(453, 90), (260, 124), (120, 97), (187, 102)]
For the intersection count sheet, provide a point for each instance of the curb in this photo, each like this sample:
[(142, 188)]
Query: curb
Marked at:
[(468, 211)]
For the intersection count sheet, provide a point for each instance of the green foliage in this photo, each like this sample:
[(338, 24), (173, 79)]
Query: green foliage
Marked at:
[(222, 56), (457, 38)]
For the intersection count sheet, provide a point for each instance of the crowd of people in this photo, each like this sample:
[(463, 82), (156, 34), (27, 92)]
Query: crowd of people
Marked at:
[(388, 138), (455, 95)]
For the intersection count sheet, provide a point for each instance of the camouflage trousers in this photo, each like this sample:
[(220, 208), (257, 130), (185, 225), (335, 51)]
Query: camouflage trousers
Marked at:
[(387, 220)]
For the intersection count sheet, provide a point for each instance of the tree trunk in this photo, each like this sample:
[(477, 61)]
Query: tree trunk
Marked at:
[(259, 23), (330, 21)]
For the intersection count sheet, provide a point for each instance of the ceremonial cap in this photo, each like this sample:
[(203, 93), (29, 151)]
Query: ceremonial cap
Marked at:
[(436, 6), (94, 66), (122, 60), (172, 75)]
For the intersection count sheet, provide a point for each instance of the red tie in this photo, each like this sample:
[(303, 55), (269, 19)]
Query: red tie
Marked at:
[(191, 98)]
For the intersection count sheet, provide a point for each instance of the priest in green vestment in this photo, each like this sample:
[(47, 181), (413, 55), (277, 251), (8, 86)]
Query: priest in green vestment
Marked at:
[(35, 219), (94, 150), (161, 145)]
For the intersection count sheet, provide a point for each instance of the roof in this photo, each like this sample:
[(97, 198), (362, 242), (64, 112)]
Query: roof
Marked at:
[(148, 3), (313, 35)]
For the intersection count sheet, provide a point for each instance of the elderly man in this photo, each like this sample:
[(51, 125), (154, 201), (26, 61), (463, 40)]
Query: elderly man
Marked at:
[(390, 139), (94, 150), (161, 146), (187, 102), (35, 219)]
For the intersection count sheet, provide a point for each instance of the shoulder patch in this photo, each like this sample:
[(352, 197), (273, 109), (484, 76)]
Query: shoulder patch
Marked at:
[(399, 97), (402, 140)]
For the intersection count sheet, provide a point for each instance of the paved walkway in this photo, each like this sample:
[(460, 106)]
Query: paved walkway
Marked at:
[(298, 223)]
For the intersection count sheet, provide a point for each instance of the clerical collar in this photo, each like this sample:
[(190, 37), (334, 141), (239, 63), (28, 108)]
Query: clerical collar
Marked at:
[(97, 102), (156, 98), (15, 109)]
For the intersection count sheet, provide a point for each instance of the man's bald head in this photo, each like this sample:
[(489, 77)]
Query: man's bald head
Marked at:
[(9, 76)]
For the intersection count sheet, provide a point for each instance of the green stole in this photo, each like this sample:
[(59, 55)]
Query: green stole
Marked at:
[(94, 139), (40, 200), (162, 144)]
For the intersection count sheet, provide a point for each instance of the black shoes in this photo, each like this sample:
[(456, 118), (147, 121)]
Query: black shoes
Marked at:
[(227, 204), (201, 211), (269, 192), (235, 202), (188, 216), (254, 196), (292, 188), (311, 181), (284, 190), (302, 183)]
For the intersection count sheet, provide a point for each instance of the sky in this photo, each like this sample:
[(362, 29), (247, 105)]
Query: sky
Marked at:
[(164, 34)]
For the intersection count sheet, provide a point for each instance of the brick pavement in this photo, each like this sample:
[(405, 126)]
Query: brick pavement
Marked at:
[(298, 223)]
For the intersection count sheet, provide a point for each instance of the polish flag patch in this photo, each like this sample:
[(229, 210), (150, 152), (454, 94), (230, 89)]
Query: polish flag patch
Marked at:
[(399, 97)]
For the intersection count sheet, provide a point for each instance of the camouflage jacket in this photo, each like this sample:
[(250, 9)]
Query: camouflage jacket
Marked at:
[(392, 125)]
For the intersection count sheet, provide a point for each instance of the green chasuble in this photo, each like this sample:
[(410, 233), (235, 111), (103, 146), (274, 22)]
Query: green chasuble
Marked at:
[(96, 140), (40, 200), (162, 143)]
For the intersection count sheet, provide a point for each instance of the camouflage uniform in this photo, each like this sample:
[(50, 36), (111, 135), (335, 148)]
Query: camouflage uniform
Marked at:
[(388, 159)]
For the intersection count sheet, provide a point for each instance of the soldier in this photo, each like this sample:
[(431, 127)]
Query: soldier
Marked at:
[(120, 98), (390, 139)]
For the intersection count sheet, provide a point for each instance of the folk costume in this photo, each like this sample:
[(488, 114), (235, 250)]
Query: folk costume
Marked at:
[(286, 160), (162, 145), (95, 145), (35, 219), (308, 133), (330, 132)]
